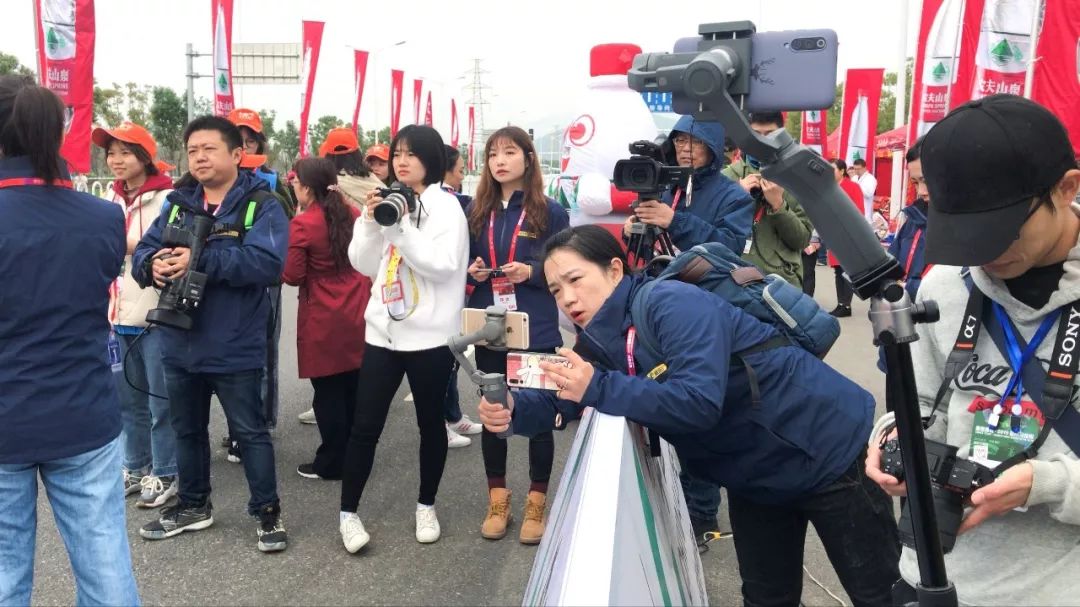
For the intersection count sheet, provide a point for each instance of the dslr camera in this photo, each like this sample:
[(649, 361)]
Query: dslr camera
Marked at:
[(645, 172), (180, 298), (953, 480), (397, 201)]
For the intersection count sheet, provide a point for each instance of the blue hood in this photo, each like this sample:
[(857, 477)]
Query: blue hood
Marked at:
[(712, 133), (916, 213)]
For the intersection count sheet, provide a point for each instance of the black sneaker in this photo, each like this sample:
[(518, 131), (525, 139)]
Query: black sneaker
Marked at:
[(177, 519), (234, 452), (841, 311), (307, 471), (272, 537)]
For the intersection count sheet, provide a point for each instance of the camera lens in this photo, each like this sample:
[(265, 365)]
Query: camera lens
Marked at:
[(639, 176), (797, 44), (390, 210), (821, 43)]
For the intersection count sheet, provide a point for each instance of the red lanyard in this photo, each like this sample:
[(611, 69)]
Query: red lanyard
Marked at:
[(15, 182), (757, 216), (631, 335), (513, 239), (911, 253), (675, 199)]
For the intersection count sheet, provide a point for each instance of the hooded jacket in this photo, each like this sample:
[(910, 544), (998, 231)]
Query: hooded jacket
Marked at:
[(230, 329), (909, 244), (532, 296), (777, 238), (720, 210), (60, 251), (807, 431), (1031, 556), (128, 309)]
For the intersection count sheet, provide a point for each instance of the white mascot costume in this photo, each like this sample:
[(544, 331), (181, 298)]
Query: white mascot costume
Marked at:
[(611, 117)]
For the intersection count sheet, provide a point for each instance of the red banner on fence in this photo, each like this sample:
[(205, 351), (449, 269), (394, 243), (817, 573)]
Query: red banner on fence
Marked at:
[(428, 117), (1057, 70), (221, 17), (472, 138), (453, 124), (397, 83), (859, 115), (312, 42), (813, 131), (359, 75), (64, 30), (418, 90)]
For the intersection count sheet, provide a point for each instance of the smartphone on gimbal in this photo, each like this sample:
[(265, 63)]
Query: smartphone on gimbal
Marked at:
[(517, 327)]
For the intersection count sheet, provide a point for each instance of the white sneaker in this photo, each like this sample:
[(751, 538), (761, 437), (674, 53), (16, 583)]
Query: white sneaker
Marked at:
[(427, 526), (156, 490), (455, 440), (353, 534), (466, 426), (307, 417)]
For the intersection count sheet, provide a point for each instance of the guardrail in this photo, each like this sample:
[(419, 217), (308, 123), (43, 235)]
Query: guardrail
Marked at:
[(618, 532)]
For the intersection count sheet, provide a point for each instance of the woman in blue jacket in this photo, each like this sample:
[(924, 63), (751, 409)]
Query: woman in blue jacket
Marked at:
[(795, 457), (509, 222)]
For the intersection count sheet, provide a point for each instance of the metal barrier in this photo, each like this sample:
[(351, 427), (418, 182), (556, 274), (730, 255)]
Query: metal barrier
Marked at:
[(618, 532)]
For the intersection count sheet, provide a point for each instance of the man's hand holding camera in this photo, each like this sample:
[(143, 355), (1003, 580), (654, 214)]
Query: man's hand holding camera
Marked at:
[(170, 265), (655, 212), (771, 192)]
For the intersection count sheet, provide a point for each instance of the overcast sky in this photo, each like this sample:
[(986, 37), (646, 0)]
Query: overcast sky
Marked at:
[(536, 53)]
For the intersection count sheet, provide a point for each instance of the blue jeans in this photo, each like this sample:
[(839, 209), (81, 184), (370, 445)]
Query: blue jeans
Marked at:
[(452, 406), (189, 402), (86, 493), (702, 497), (148, 433), (269, 386)]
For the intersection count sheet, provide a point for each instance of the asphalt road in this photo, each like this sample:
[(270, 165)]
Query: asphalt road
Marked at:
[(221, 565)]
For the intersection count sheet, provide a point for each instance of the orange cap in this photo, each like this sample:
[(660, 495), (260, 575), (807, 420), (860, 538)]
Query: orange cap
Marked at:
[(380, 151), (129, 132), (339, 141), (245, 117), (252, 161)]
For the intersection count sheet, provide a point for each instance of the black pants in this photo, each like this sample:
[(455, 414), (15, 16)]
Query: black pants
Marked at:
[(541, 446), (844, 292), (335, 408), (380, 377), (809, 273), (854, 519)]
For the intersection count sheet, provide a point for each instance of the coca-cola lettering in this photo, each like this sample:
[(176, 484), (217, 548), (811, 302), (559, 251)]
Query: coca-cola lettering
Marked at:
[(1069, 343)]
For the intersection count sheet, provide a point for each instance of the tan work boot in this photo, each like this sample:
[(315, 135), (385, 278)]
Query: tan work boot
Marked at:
[(532, 526), (498, 514)]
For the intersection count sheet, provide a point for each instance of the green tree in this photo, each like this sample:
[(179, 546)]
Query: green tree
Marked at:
[(318, 131), (168, 115), (9, 64), (138, 103), (369, 138), (289, 142), (108, 103)]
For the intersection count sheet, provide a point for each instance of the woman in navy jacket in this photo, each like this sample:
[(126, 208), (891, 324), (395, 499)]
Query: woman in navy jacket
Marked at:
[(795, 457), (509, 222)]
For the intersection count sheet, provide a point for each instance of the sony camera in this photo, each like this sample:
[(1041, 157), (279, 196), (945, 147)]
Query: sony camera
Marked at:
[(953, 480), (180, 298), (645, 172), (397, 201)]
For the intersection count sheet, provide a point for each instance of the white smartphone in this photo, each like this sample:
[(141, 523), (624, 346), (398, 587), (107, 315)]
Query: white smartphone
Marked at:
[(517, 327)]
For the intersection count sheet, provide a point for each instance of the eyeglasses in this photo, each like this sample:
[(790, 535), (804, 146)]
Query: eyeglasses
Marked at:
[(682, 141)]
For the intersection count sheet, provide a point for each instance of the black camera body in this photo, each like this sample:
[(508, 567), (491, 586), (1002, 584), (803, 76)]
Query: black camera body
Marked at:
[(953, 480), (647, 177), (397, 201), (180, 298)]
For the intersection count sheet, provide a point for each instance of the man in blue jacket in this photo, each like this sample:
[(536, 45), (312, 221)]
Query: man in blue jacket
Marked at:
[(910, 239), (225, 350), (716, 209)]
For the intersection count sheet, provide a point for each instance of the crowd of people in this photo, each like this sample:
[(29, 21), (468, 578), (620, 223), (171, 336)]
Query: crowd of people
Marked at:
[(95, 396)]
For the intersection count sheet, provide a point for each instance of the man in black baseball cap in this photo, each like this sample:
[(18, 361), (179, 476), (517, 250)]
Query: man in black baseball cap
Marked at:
[(1002, 176)]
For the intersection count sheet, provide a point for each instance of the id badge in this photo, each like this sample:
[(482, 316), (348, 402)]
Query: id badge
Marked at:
[(503, 290), (749, 244), (393, 296), (115, 360), (1012, 435)]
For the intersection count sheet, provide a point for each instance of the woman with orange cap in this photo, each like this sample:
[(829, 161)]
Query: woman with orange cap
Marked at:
[(354, 175), (251, 130), (149, 442)]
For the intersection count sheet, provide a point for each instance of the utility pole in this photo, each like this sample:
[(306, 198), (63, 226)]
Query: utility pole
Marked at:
[(476, 99), (191, 76)]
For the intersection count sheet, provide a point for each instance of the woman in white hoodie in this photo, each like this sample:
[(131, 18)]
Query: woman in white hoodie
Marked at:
[(417, 267)]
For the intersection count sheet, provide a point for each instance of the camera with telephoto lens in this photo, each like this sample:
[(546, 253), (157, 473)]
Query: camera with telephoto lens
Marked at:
[(180, 298), (645, 172), (953, 480), (397, 201)]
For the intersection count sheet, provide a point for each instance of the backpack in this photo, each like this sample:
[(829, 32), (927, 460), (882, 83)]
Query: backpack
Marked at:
[(770, 299), (257, 197)]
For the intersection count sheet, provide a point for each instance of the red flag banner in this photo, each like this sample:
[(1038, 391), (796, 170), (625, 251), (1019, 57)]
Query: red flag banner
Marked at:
[(1004, 47), (65, 42), (813, 131), (1057, 69), (312, 42), (418, 90), (472, 138), (360, 72), (397, 83), (936, 64), (971, 22), (221, 17), (453, 124), (859, 115), (428, 118)]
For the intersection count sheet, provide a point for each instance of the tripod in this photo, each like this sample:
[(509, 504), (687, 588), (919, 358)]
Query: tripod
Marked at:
[(646, 241)]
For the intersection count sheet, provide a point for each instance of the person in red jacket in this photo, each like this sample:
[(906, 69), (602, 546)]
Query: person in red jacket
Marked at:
[(330, 319), (844, 291)]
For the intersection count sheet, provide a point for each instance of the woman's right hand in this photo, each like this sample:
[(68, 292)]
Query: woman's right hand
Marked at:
[(888, 483), (478, 270), (372, 199), (495, 416)]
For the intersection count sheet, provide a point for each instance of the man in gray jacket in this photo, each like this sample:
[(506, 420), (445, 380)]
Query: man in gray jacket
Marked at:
[(1003, 176)]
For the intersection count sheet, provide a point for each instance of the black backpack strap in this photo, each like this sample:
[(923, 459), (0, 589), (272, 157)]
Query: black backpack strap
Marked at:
[(778, 341)]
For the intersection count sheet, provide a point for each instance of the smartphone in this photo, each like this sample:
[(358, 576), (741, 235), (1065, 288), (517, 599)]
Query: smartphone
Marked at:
[(523, 370), (517, 327)]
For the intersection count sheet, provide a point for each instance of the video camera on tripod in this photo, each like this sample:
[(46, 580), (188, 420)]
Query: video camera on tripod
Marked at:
[(646, 174)]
